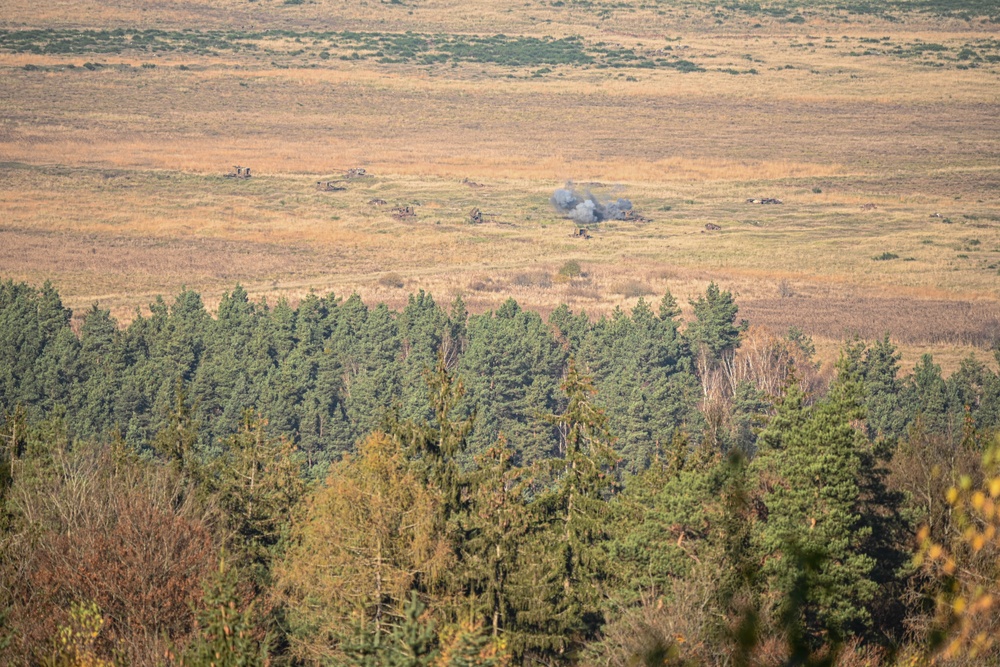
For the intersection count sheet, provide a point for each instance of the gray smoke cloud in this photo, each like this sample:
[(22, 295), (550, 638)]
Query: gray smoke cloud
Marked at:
[(584, 208)]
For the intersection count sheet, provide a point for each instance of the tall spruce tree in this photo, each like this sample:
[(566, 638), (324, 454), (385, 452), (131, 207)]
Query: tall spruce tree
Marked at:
[(434, 446), (564, 569), (494, 528), (257, 482), (813, 541), (715, 327)]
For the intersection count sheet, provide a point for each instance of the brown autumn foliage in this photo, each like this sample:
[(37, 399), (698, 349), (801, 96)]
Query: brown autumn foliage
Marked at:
[(686, 628), (765, 361), (683, 620), (93, 530)]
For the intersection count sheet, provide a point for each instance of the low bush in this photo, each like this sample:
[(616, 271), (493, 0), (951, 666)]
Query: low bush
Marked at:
[(391, 280), (571, 269), (633, 289), (533, 279)]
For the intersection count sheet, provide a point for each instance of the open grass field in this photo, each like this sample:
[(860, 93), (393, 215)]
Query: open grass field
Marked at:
[(876, 124)]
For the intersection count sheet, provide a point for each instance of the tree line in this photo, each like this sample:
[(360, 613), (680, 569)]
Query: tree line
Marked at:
[(339, 484)]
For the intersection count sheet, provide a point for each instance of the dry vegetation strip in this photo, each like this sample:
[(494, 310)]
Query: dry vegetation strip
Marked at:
[(910, 321), (200, 121)]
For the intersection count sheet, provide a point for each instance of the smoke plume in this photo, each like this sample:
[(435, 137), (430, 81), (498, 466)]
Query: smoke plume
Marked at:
[(585, 208)]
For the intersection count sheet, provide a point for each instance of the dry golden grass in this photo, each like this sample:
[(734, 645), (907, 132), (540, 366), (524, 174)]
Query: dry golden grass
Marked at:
[(112, 186)]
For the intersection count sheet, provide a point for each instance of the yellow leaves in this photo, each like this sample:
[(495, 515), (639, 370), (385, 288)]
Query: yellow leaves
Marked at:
[(978, 500), (984, 603), (77, 639), (965, 562)]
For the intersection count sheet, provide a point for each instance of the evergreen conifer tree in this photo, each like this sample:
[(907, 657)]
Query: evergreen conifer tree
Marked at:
[(496, 524), (564, 570), (715, 325), (434, 446), (257, 482), (225, 634), (813, 542)]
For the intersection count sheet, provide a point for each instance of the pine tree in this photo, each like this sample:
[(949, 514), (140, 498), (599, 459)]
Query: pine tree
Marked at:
[(512, 368), (225, 634), (496, 524), (564, 568), (421, 328), (413, 641), (371, 361), (642, 372), (434, 447), (31, 322), (884, 412), (102, 357), (177, 441), (468, 646), (975, 389), (669, 520), (572, 328), (257, 482), (925, 394), (409, 643), (813, 542), (715, 325)]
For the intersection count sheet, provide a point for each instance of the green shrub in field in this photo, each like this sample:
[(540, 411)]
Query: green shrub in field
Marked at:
[(570, 269)]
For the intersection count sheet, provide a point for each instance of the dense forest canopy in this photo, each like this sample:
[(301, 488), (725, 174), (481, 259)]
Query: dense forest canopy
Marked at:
[(336, 483), (332, 370)]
